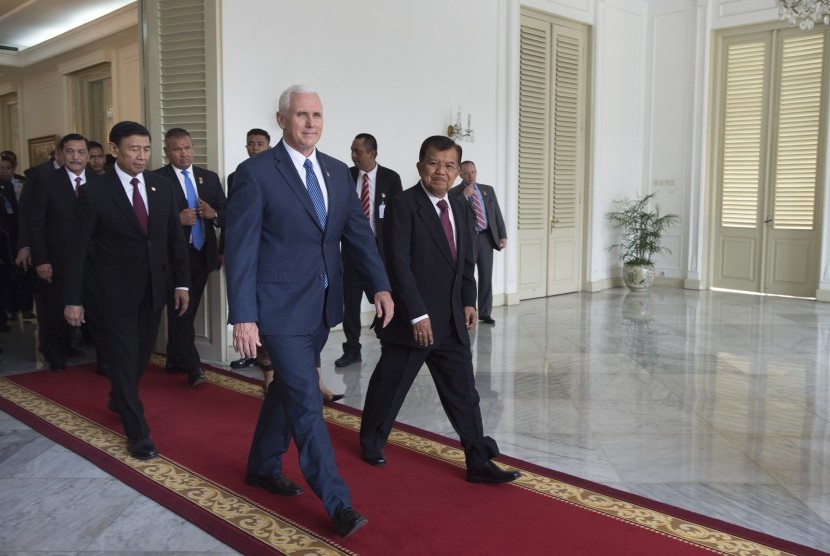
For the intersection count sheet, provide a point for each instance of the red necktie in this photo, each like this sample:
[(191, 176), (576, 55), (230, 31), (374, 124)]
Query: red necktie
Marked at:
[(445, 223), (364, 198), (77, 185), (138, 206), (479, 213)]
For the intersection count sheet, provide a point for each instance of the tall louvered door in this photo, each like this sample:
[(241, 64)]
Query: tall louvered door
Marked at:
[(182, 84), (770, 144), (552, 116)]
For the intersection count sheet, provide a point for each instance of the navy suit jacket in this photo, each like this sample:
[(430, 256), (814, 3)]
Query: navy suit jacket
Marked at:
[(424, 277), (277, 255)]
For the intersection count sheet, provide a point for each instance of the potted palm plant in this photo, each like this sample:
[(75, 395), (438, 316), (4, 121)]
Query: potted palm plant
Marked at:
[(642, 228)]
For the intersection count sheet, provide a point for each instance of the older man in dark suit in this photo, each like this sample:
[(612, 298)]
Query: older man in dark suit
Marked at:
[(489, 232), (375, 186), (201, 205), (51, 209), (289, 212), (126, 239), (430, 267)]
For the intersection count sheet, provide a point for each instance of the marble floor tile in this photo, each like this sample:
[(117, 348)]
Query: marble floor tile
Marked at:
[(145, 526), (77, 510), (769, 509)]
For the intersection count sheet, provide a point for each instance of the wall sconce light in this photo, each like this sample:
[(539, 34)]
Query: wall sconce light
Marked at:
[(458, 133)]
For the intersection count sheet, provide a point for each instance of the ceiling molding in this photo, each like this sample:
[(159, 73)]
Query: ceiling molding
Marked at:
[(92, 59), (119, 20)]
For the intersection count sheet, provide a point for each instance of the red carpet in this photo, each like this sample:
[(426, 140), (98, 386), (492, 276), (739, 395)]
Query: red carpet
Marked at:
[(418, 504)]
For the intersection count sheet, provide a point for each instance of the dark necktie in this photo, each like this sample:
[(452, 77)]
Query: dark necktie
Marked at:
[(445, 223), (364, 198), (316, 194), (138, 206), (196, 235), (77, 184)]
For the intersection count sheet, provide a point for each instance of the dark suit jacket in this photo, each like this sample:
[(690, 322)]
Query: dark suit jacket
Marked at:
[(209, 189), (51, 208), (33, 175), (277, 254), (106, 232), (10, 211), (387, 185), (495, 222), (420, 266)]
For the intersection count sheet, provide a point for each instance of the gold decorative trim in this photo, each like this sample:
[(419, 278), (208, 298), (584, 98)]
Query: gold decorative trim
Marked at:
[(266, 526), (290, 538), (687, 531)]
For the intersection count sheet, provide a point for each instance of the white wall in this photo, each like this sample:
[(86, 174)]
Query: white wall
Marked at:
[(400, 71), (396, 70)]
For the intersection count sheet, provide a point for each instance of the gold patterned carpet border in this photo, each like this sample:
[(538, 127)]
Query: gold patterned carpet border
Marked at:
[(271, 529), (287, 537)]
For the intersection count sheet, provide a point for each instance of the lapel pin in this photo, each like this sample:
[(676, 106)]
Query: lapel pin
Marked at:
[(201, 181), (152, 188)]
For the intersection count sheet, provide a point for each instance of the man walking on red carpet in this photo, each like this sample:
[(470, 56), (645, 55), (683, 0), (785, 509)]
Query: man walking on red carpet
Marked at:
[(126, 238), (427, 247), (289, 211)]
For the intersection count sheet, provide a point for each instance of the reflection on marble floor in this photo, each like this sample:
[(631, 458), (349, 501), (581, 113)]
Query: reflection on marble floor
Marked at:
[(715, 402)]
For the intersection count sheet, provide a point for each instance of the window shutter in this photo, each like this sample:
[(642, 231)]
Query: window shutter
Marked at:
[(743, 133), (534, 103), (798, 128), (182, 70)]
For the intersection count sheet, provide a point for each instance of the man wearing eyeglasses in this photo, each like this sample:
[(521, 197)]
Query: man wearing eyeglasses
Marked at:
[(429, 260)]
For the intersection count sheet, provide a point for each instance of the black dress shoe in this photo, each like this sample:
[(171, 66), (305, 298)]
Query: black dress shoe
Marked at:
[(111, 406), (142, 449), (378, 459), (102, 369), (196, 377), (347, 521), (487, 320), (336, 398), (347, 359), (243, 363), (492, 473), (73, 353), (57, 367), (276, 484)]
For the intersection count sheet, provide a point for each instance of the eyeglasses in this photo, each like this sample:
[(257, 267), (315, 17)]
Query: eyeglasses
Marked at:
[(434, 166)]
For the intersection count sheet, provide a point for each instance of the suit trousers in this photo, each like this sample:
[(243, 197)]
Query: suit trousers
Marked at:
[(129, 342), (450, 363), (182, 354), (352, 299), (293, 408), (55, 332), (483, 244)]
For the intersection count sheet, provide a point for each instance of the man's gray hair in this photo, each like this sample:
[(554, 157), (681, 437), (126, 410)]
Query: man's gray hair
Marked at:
[(285, 97)]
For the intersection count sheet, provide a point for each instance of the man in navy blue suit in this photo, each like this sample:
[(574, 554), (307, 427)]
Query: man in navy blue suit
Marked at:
[(290, 210)]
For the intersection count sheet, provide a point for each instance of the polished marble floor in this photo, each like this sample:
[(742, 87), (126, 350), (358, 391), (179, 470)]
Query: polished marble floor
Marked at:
[(712, 401)]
